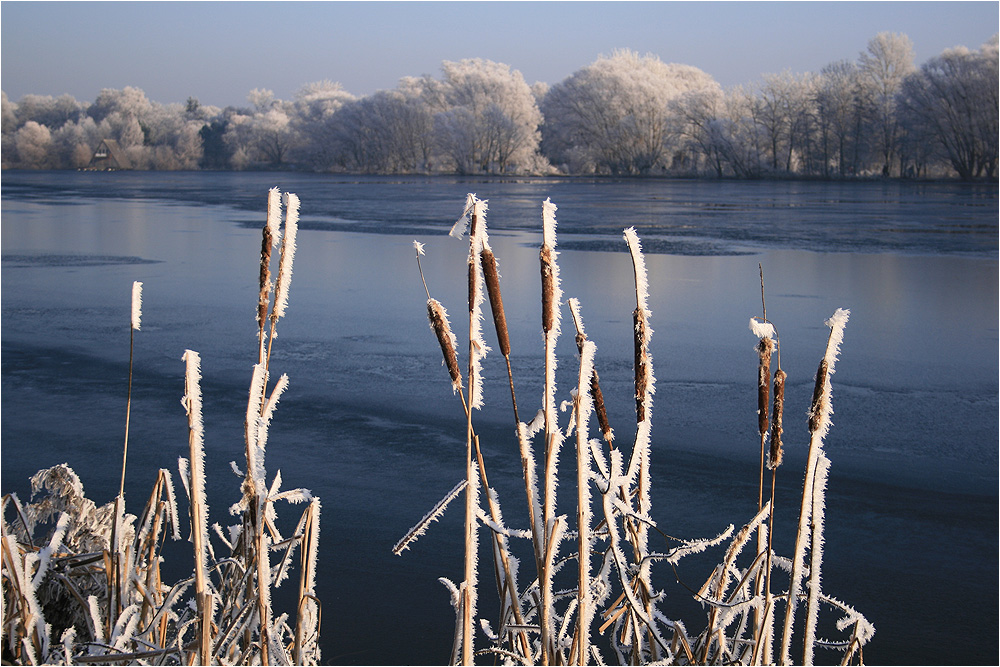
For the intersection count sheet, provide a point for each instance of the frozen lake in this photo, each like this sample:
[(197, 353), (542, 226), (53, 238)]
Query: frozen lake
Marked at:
[(369, 422)]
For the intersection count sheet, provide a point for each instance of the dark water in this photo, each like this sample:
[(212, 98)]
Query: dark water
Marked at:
[(370, 425)]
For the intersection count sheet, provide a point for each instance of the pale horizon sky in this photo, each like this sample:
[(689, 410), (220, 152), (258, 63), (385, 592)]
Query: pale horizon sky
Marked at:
[(219, 51)]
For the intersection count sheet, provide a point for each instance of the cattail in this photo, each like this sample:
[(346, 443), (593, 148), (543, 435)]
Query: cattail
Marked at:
[(641, 370), (551, 292), (269, 239), (438, 317), (816, 407), (136, 305), (265, 278), (199, 509), (287, 256), (492, 276), (599, 408), (774, 460), (595, 382), (642, 332), (765, 348), (548, 289)]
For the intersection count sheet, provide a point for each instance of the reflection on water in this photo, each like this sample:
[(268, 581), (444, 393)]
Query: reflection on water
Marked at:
[(369, 422)]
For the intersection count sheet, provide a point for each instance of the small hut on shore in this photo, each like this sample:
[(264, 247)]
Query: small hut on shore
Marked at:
[(109, 155)]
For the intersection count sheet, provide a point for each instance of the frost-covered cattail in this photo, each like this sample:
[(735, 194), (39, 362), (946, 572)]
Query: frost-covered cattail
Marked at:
[(551, 292), (816, 405), (287, 256), (821, 408), (765, 348), (492, 277), (199, 507), (595, 383), (776, 453), (477, 289), (438, 317), (270, 236), (640, 319), (813, 495), (136, 305)]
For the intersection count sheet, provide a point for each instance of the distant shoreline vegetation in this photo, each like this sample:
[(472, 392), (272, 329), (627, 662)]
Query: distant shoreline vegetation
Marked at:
[(624, 115)]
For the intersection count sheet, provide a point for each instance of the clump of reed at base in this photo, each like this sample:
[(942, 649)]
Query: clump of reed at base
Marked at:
[(84, 584)]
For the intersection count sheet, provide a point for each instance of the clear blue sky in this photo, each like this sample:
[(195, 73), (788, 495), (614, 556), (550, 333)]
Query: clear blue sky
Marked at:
[(219, 51)]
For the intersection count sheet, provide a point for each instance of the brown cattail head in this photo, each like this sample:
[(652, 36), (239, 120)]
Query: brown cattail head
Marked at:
[(599, 408), (265, 276), (473, 227), (764, 349), (439, 324), (816, 408), (548, 289), (641, 365), (492, 277), (774, 460)]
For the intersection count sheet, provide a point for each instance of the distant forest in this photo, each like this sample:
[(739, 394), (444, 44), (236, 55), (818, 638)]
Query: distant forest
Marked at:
[(623, 115)]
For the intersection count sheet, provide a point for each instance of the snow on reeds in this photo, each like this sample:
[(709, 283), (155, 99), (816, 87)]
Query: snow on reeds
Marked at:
[(91, 589), (606, 607)]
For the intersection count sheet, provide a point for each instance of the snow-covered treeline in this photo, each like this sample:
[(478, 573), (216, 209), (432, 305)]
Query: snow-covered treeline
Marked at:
[(623, 114)]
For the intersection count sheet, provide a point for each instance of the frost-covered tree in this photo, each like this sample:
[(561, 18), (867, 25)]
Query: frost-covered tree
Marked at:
[(263, 135), (614, 116), (487, 119), (73, 144), (840, 117), (951, 101), (698, 112), (312, 122), (882, 68), (783, 109), (129, 102), (8, 111), (53, 112), (739, 134), (32, 143), (387, 132)]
